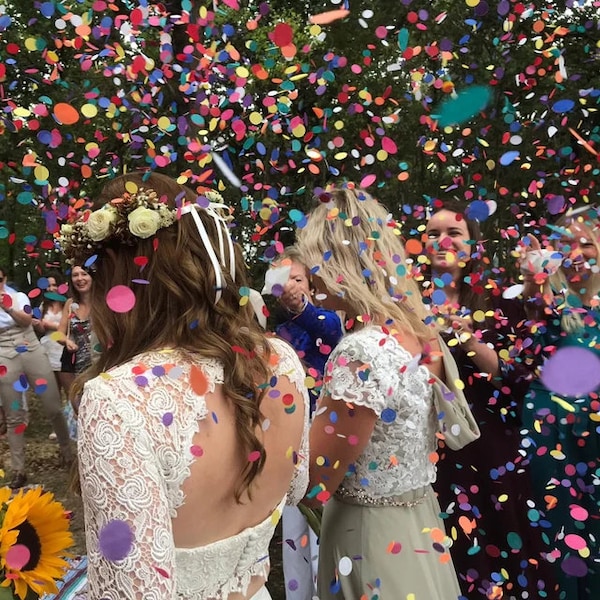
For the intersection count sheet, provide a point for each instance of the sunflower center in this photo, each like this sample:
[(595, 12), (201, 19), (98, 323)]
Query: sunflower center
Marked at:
[(28, 537)]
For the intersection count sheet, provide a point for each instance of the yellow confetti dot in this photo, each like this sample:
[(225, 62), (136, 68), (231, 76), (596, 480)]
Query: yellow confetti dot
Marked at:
[(479, 316), (320, 461), (309, 382), (41, 173), (299, 130), (502, 497), (89, 110), (339, 125), (21, 112), (163, 123), (275, 516), (31, 44), (459, 384)]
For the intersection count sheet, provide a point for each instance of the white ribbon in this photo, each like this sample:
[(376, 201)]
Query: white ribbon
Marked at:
[(219, 224)]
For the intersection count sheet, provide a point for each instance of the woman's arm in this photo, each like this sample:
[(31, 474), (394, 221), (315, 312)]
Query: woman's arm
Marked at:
[(338, 436), (63, 327), (320, 324), (128, 526), (19, 316)]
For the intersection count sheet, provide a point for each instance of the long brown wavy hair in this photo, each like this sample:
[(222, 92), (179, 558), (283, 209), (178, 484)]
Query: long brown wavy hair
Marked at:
[(176, 308)]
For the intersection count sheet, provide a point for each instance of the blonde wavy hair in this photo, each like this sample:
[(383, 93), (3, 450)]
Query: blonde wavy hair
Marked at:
[(354, 246), (571, 318), (176, 308)]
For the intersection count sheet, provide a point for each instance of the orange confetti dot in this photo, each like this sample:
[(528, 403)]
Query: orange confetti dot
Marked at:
[(413, 246), (198, 380), (66, 114)]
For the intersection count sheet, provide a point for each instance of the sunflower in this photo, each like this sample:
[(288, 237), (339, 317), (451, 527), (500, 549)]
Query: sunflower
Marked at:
[(42, 538)]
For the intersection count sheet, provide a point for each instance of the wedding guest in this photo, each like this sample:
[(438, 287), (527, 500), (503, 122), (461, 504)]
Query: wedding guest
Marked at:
[(561, 410), (484, 489), (25, 366), (47, 326), (374, 430), (76, 328), (313, 332)]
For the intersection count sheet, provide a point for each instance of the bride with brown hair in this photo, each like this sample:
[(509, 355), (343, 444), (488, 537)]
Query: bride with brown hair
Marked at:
[(192, 423)]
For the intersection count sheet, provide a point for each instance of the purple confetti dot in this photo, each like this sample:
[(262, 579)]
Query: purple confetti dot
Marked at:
[(141, 381), (115, 540), (574, 566), (572, 371), (167, 419), (158, 371)]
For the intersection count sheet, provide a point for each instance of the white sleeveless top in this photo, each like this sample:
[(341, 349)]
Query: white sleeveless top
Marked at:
[(136, 424)]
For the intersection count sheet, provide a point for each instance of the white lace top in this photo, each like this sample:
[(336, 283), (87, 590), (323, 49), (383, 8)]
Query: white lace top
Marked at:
[(370, 368), (135, 450)]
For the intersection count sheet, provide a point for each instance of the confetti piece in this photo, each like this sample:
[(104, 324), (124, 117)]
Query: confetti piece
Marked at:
[(572, 371), (17, 557), (325, 18), (66, 114), (120, 299), (115, 540), (466, 105), (198, 380)]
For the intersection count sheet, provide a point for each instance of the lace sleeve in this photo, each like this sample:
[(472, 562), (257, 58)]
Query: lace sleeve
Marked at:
[(127, 519), (289, 365), (352, 373)]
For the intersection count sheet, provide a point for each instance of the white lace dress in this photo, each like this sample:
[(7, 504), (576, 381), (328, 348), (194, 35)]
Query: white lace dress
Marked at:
[(135, 451), (381, 533)]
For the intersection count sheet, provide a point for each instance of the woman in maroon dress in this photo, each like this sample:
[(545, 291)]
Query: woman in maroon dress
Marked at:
[(484, 489)]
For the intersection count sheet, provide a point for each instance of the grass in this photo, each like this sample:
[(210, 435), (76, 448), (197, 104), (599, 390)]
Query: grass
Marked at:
[(43, 469)]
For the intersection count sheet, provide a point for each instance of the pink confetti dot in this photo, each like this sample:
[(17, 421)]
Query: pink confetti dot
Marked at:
[(353, 440), (575, 542), (196, 451), (17, 557), (253, 456), (578, 513), (120, 299)]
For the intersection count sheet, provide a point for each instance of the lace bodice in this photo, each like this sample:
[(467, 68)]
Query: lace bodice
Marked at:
[(370, 368), (137, 424)]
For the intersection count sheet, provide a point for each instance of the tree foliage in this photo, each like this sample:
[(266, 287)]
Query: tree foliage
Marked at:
[(385, 95)]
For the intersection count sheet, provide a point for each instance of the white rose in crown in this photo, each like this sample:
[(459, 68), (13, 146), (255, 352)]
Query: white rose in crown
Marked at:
[(66, 230), (143, 222), (100, 223)]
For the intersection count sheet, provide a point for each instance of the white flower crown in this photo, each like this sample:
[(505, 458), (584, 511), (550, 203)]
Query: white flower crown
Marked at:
[(127, 219)]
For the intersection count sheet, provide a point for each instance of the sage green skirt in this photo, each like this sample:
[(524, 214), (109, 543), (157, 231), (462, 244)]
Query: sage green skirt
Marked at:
[(385, 552)]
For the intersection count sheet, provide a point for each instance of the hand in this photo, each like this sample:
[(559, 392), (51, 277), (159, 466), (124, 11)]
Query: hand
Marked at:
[(293, 299), (462, 328), (537, 262), (71, 346)]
